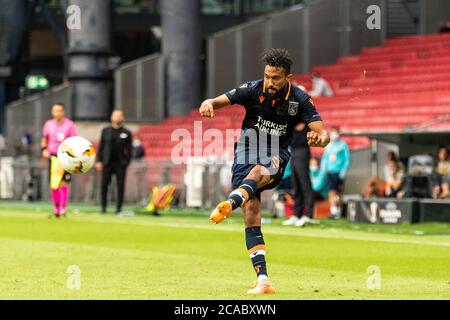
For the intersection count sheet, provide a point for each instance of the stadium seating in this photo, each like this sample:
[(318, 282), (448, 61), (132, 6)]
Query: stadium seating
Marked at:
[(403, 83)]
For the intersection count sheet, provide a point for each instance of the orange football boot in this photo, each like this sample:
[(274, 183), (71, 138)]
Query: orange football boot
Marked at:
[(221, 212), (262, 287)]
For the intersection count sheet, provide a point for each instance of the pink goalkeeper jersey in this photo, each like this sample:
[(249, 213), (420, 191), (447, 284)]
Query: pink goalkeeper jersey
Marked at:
[(55, 134)]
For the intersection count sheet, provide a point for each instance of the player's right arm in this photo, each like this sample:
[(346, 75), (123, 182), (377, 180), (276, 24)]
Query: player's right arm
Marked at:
[(209, 105), (44, 142), (45, 152), (239, 95)]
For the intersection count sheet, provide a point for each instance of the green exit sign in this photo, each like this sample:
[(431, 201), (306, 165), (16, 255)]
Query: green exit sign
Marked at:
[(36, 82)]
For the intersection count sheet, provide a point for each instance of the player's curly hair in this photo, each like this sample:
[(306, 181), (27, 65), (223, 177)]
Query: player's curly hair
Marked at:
[(276, 57)]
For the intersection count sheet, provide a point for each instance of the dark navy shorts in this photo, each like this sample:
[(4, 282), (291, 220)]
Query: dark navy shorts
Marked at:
[(335, 183), (241, 170)]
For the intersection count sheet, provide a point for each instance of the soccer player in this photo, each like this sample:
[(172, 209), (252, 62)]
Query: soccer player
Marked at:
[(55, 131), (273, 108)]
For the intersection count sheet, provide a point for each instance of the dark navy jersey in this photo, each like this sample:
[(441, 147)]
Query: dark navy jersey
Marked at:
[(272, 119)]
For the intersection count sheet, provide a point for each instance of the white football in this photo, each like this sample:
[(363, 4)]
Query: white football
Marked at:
[(76, 155)]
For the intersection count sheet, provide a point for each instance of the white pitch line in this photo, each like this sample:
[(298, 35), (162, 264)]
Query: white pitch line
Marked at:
[(227, 228)]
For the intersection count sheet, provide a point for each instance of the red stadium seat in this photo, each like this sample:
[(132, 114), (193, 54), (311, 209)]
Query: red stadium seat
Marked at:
[(404, 82)]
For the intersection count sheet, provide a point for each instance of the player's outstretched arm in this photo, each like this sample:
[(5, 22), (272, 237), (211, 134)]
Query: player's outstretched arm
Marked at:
[(318, 136), (208, 106)]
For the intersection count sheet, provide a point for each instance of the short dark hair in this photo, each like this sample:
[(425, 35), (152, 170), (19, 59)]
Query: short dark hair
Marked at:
[(276, 57), (59, 104)]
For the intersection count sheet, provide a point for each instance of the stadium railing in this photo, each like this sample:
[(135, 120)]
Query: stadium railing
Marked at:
[(29, 181), (29, 114)]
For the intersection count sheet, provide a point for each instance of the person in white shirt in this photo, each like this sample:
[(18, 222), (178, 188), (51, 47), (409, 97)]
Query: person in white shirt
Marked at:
[(395, 180), (320, 86)]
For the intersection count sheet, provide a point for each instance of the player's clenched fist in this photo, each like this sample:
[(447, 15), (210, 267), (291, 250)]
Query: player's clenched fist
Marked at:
[(316, 140), (207, 109)]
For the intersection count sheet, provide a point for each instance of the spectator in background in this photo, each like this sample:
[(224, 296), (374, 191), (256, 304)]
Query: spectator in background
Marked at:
[(374, 188), (318, 180), (391, 156), (395, 180), (443, 169), (113, 157), (303, 194), (443, 161), (335, 164), (138, 148), (320, 86)]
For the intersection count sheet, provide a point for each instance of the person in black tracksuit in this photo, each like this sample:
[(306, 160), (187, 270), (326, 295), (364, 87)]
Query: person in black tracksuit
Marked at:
[(113, 157), (301, 181)]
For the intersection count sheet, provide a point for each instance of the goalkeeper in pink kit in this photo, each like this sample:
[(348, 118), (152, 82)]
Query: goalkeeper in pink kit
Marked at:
[(54, 132)]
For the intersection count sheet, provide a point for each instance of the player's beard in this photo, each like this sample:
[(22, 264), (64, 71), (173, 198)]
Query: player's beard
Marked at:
[(277, 93), (274, 94)]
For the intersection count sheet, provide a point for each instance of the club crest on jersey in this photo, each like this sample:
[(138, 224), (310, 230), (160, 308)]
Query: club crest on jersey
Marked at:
[(293, 108)]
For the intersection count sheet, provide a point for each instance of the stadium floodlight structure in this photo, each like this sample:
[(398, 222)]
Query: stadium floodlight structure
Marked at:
[(181, 50)]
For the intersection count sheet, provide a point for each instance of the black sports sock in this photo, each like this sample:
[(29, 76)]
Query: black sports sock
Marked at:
[(242, 194), (256, 249)]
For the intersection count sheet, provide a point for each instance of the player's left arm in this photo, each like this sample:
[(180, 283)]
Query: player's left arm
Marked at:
[(73, 130), (318, 136)]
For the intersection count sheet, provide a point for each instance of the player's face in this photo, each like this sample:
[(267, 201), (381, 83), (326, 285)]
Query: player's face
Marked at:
[(392, 165), (117, 117), (442, 155), (57, 112), (275, 80)]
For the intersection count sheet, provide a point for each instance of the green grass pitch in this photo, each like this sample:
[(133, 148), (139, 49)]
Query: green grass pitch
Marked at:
[(181, 255)]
